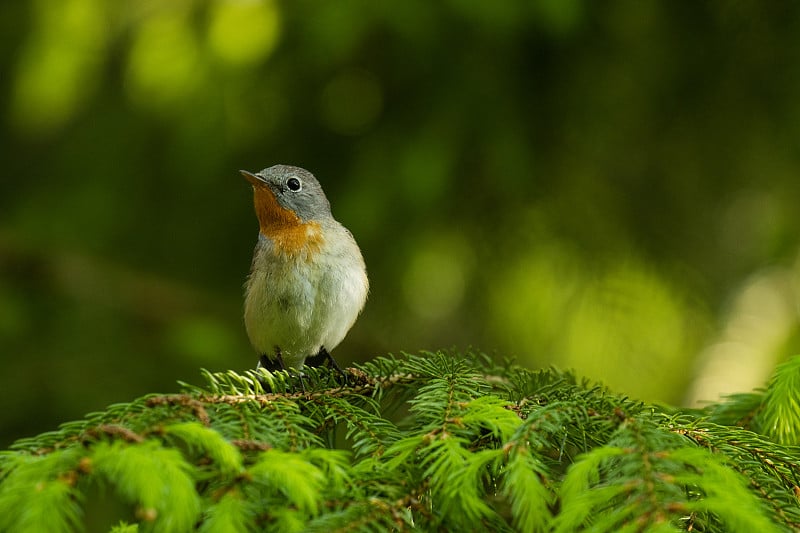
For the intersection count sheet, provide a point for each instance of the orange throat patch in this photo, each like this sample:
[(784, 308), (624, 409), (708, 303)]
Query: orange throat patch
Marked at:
[(290, 235)]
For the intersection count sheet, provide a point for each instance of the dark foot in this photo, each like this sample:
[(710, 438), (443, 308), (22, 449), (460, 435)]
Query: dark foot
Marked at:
[(274, 365), (324, 358)]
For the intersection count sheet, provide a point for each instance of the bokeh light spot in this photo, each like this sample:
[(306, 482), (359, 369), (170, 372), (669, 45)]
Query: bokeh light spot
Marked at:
[(164, 64), (533, 301), (436, 277), (628, 326), (243, 32), (59, 65)]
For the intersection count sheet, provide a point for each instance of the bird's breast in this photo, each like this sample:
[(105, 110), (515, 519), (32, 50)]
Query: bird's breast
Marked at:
[(304, 240), (289, 235)]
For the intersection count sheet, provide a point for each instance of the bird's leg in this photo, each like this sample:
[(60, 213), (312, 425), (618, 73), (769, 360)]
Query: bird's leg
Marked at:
[(271, 364), (267, 364), (279, 358), (324, 356), (276, 364), (330, 360)]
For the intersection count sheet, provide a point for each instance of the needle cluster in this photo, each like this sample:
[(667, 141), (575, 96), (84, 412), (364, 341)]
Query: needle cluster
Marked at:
[(429, 442)]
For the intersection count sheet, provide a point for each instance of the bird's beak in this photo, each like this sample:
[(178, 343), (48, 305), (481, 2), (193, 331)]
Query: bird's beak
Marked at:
[(252, 178)]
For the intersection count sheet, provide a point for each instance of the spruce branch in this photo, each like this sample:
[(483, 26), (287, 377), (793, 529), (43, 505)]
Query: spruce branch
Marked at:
[(433, 441)]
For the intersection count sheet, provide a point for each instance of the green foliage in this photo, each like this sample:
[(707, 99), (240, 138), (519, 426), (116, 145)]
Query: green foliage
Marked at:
[(780, 418), (123, 527), (566, 176), (428, 442), (37, 492), (774, 412), (155, 478)]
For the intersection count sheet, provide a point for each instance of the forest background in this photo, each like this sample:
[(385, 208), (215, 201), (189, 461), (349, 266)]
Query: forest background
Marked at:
[(610, 187)]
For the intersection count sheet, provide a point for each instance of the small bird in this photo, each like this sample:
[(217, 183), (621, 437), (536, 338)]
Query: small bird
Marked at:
[(308, 281)]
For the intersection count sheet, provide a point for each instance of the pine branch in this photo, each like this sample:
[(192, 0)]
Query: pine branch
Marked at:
[(425, 442)]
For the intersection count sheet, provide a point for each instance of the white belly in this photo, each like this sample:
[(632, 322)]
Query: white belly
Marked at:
[(298, 308)]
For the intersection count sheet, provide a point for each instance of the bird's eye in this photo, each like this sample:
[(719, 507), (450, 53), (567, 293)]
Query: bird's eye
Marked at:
[(294, 184)]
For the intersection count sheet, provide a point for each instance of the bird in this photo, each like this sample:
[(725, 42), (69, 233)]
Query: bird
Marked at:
[(308, 281)]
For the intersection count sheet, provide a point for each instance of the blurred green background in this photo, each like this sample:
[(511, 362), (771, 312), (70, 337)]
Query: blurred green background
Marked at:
[(605, 186)]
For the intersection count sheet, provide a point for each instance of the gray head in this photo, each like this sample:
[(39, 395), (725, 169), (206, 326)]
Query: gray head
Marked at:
[(294, 188)]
